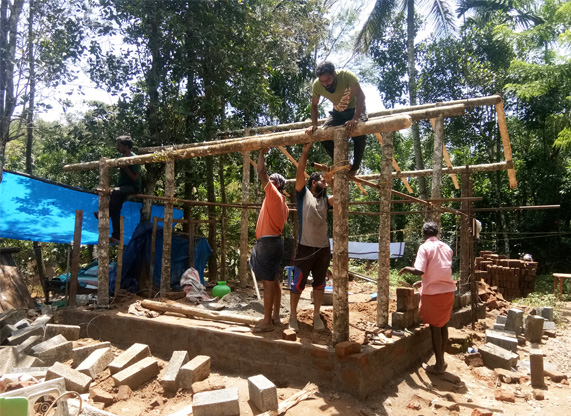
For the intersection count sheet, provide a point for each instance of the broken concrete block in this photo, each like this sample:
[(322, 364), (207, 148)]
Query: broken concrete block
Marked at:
[(536, 367), (534, 328), (79, 354), (504, 396), (344, 348), (23, 334), (289, 334), (507, 376), (26, 346), (263, 393), (101, 396), (514, 321), (70, 332), (501, 339), (11, 316), (498, 357), (53, 349), (133, 354), (97, 361), (195, 370), (548, 326), (169, 379), (474, 359), (21, 324), (138, 373), (74, 380), (219, 402)]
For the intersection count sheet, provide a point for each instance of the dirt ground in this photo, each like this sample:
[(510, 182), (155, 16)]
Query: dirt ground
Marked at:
[(413, 393)]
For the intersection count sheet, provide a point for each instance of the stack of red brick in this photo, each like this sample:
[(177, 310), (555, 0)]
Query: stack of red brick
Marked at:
[(512, 278)]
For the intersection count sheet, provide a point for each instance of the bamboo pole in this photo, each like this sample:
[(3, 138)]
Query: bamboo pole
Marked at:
[(486, 167), (167, 230), (244, 250), (464, 240), (120, 256), (103, 243), (73, 279), (291, 158), (395, 165), (446, 156), (250, 143), (506, 142), (436, 190), (153, 249), (341, 241), (384, 266), (222, 219)]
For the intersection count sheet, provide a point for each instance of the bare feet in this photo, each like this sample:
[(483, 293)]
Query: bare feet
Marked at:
[(276, 320), (263, 327), (436, 370), (318, 324), (293, 324)]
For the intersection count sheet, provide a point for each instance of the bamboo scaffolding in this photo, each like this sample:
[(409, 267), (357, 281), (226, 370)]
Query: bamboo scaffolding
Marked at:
[(395, 165), (486, 167)]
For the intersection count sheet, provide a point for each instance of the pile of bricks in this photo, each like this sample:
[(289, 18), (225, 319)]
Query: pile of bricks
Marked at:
[(512, 278)]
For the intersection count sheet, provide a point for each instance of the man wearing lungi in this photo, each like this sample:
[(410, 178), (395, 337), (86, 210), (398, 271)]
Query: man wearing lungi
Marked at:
[(434, 263), (267, 253)]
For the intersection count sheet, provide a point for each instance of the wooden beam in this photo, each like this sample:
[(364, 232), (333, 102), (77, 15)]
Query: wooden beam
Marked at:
[(167, 230), (103, 243), (436, 189), (290, 157), (488, 167), (506, 142), (119, 272), (244, 249), (395, 165), (446, 157)]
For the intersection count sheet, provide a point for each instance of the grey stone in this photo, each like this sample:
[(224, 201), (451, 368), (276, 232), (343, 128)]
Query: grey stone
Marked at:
[(133, 354), (11, 316), (534, 328), (536, 367), (37, 372), (499, 327), (498, 357), (79, 354), (70, 332), (74, 380), (501, 339), (216, 403), (263, 393), (402, 320), (514, 321), (138, 373), (5, 332), (466, 299), (195, 370), (53, 349), (501, 319), (97, 361), (26, 346), (546, 312), (21, 335), (549, 326), (169, 379), (8, 359), (28, 361), (43, 320)]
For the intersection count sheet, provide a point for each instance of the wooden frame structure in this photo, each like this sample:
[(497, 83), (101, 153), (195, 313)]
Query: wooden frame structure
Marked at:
[(382, 124)]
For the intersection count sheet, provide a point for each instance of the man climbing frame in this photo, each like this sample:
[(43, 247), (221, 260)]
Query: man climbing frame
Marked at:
[(343, 90)]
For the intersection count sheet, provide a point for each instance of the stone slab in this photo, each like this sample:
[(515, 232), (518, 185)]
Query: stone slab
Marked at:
[(43, 320), (37, 372), (133, 354), (70, 332), (216, 403), (169, 378), (501, 340), (74, 380), (534, 328), (79, 354), (20, 336), (54, 349), (536, 367), (548, 326), (545, 312), (263, 393), (97, 361), (498, 357), (26, 346), (514, 320), (501, 319), (195, 370), (8, 359), (138, 373)]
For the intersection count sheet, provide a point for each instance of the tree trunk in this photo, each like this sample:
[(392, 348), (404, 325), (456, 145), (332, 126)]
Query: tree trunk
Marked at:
[(437, 169), (411, 55), (222, 219), (167, 231), (103, 244)]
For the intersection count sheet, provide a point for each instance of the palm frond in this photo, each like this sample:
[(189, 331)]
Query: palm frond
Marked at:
[(376, 21), (442, 14)]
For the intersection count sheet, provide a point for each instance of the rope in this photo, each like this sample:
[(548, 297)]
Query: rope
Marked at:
[(74, 393)]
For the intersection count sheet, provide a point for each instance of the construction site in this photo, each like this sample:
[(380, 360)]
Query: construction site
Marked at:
[(151, 351)]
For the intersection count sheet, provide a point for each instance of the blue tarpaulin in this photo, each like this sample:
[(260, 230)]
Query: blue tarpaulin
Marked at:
[(39, 210), (370, 251)]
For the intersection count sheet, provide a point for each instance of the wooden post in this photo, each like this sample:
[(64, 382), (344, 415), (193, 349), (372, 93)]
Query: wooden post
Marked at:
[(153, 251), (464, 235), (120, 255), (506, 143), (341, 241), (103, 244), (167, 230), (190, 243), (73, 280), (222, 219), (385, 231), (437, 169), (244, 250)]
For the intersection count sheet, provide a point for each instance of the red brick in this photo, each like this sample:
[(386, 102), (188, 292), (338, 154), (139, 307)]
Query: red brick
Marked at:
[(346, 348), (289, 335)]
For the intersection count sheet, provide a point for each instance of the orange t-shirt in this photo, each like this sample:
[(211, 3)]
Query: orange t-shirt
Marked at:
[(273, 214)]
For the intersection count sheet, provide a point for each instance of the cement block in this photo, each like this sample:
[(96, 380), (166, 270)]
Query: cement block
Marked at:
[(8, 359), (37, 372), (501, 319), (216, 403), (53, 349), (545, 312), (263, 393), (79, 354), (133, 354), (26, 346), (196, 369), (97, 361), (457, 302), (11, 316), (21, 324), (402, 320), (26, 361), (536, 367), (534, 328), (23, 334), (43, 320), (405, 299), (498, 357), (138, 373), (499, 327), (548, 326), (70, 332), (74, 380), (514, 321), (502, 340), (169, 379)]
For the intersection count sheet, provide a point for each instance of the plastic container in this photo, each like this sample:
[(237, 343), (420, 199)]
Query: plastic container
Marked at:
[(220, 290), (14, 406), (52, 388)]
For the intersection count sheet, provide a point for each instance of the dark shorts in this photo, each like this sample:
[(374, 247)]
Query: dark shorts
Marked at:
[(310, 259), (266, 258)]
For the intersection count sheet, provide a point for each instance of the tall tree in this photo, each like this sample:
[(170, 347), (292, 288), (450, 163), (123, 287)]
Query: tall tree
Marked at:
[(440, 16)]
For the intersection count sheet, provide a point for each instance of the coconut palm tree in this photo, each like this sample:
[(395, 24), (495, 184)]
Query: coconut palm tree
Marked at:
[(440, 15)]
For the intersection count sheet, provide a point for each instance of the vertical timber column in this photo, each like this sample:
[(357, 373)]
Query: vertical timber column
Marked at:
[(465, 234), (167, 230), (73, 280), (103, 244), (341, 241), (437, 169), (385, 231), (244, 218)]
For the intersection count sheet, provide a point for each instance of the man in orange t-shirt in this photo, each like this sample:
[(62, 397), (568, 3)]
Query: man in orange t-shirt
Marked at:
[(267, 253)]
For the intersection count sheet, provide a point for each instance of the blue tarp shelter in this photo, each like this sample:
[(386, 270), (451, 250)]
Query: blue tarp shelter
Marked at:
[(370, 251), (36, 209)]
